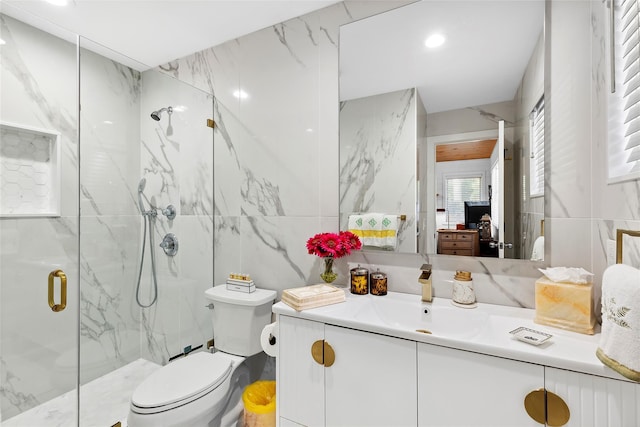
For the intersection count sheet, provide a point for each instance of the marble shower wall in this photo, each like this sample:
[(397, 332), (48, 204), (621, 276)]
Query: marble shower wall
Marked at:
[(119, 143), (33, 339), (176, 158), (378, 143), (109, 221)]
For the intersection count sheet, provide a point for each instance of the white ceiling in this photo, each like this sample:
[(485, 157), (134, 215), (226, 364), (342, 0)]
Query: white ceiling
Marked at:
[(154, 32), (488, 46)]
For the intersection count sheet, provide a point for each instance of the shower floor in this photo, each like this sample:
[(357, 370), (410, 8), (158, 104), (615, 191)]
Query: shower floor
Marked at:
[(103, 401)]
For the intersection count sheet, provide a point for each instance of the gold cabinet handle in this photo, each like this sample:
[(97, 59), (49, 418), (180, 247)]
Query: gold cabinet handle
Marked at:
[(317, 352), (547, 408), (534, 404), (63, 290), (329, 355), (558, 413), (323, 353)]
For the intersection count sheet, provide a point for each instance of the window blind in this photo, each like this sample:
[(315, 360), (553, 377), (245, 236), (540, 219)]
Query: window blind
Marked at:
[(458, 191), (536, 163), (624, 105)]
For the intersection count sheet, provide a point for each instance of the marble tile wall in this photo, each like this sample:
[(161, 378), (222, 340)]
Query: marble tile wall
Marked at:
[(110, 224), (275, 150), (276, 182), (378, 137), (176, 156), (35, 94), (119, 144)]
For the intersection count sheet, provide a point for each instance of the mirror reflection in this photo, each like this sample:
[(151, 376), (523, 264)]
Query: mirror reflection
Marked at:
[(442, 142)]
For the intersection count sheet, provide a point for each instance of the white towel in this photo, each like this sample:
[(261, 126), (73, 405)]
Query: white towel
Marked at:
[(537, 253), (620, 339), (375, 229), (355, 224), (390, 228)]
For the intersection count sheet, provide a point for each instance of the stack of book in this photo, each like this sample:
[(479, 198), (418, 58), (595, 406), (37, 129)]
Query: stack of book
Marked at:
[(240, 283), (312, 296)]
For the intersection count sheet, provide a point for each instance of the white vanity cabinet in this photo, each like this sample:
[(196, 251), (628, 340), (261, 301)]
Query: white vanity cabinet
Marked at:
[(479, 390), (371, 381), (595, 401), (461, 388), (359, 363)]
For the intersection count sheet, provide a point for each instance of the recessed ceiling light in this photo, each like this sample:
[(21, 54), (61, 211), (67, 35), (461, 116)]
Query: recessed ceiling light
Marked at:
[(434, 40), (58, 2), (240, 94)]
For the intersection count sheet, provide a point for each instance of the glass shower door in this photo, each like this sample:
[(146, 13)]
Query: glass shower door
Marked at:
[(38, 226)]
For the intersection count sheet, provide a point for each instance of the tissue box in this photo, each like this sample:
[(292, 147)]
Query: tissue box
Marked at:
[(565, 305)]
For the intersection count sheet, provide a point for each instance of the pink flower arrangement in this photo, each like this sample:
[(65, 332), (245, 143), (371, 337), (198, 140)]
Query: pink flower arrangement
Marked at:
[(333, 245)]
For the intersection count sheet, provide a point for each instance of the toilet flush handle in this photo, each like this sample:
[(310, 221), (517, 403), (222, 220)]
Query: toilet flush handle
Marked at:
[(209, 306)]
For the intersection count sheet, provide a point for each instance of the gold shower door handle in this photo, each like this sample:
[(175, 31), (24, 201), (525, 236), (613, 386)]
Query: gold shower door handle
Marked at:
[(63, 290)]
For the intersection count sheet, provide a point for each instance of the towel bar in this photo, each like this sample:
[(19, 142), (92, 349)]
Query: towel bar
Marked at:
[(619, 237)]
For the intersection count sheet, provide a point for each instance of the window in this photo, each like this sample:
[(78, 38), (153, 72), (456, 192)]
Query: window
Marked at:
[(536, 140), (460, 189), (624, 103)]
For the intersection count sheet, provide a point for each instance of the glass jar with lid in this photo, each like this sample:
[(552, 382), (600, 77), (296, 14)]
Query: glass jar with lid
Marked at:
[(359, 280), (378, 283)]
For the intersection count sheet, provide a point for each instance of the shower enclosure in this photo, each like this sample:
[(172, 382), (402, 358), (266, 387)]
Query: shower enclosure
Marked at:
[(71, 225)]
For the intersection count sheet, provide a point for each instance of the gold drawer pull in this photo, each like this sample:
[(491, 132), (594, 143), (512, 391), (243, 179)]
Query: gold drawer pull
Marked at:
[(63, 290)]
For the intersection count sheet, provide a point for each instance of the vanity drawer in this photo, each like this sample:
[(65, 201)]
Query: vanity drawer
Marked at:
[(456, 244), (461, 252)]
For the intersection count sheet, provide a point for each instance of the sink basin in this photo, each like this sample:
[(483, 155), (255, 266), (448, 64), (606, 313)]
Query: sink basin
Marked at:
[(413, 315)]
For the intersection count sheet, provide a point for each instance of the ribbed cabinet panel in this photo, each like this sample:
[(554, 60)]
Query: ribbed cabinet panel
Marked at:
[(596, 401)]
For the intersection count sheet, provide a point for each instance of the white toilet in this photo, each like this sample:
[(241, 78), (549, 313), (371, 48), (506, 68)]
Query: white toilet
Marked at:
[(205, 389)]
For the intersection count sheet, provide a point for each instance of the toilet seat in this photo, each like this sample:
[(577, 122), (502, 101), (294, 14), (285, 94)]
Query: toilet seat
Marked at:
[(181, 382)]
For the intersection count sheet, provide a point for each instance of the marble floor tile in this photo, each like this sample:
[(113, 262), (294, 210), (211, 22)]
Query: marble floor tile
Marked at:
[(104, 401)]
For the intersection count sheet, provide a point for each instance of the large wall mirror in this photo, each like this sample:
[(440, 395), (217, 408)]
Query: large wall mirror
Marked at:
[(442, 128)]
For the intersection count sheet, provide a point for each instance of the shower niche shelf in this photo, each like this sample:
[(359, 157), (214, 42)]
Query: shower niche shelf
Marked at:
[(29, 171)]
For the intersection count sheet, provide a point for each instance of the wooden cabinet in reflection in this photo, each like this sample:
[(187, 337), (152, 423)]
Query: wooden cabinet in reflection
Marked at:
[(459, 242)]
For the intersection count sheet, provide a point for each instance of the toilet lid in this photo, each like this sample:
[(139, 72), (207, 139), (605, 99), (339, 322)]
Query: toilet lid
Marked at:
[(182, 379)]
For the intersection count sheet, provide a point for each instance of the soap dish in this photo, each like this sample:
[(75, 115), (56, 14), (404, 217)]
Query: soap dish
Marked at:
[(530, 336)]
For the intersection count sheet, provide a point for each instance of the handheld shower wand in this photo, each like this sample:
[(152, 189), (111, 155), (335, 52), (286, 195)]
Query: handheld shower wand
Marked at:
[(141, 185), (147, 216)]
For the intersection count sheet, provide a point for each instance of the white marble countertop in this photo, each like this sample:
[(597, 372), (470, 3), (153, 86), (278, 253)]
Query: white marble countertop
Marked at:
[(484, 329)]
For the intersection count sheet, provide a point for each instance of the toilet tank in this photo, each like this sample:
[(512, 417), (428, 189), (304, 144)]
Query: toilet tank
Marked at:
[(238, 318)]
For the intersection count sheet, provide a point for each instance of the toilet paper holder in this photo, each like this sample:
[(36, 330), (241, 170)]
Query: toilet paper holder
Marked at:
[(269, 339)]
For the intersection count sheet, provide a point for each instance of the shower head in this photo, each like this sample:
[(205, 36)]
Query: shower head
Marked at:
[(156, 114), (141, 185)]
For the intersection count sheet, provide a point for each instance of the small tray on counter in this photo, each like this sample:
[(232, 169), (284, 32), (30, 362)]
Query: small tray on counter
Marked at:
[(530, 336)]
